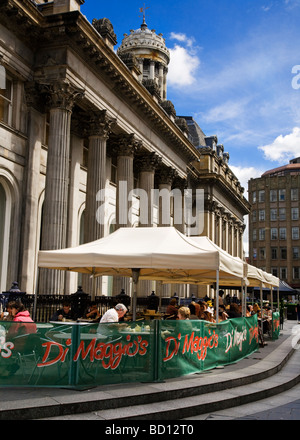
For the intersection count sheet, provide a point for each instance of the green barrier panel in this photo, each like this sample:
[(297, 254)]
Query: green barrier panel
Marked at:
[(193, 346), (275, 325), (83, 355)]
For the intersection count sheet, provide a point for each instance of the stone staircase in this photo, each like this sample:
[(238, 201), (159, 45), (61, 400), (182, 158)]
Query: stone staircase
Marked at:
[(257, 377)]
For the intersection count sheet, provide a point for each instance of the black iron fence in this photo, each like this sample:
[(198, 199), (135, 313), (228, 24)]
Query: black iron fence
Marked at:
[(43, 306)]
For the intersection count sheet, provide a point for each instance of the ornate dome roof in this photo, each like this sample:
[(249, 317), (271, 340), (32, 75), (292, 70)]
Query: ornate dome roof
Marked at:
[(144, 42)]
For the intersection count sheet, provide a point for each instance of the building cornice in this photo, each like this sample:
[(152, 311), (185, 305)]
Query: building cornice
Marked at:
[(46, 31)]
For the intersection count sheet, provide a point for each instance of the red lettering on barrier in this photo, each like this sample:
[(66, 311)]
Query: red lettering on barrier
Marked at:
[(192, 344), (100, 352)]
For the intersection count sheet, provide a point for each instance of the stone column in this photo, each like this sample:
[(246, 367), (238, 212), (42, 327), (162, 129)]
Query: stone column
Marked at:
[(125, 148), (147, 167), (152, 70), (54, 227), (99, 127), (31, 192), (166, 177)]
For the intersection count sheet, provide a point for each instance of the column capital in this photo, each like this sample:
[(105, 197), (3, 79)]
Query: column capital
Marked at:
[(126, 145), (149, 162), (62, 94), (166, 175), (99, 124)]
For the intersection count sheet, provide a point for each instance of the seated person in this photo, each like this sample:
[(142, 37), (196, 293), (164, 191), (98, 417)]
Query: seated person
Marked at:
[(223, 315), (192, 311), (64, 313), (172, 308), (24, 324), (204, 313), (92, 312), (233, 311)]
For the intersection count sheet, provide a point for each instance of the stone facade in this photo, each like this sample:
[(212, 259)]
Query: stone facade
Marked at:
[(75, 119)]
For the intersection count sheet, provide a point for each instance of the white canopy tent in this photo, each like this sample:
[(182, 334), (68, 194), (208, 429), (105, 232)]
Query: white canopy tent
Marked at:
[(162, 254)]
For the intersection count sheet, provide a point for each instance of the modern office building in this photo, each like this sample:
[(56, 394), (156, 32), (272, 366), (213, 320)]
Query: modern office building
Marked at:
[(274, 222), (81, 128)]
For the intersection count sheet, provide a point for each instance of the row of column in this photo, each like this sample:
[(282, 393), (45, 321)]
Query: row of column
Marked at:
[(98, 127), (225, 230)]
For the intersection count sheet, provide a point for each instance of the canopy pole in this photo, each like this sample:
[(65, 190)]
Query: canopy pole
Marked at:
[(35, 294), (243, 298), (278, 308), (135, 279), (261, 310), (93, 284), (272, 310), (217, 296)]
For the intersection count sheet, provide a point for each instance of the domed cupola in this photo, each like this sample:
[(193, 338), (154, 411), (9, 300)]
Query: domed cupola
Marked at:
[(149, 49)]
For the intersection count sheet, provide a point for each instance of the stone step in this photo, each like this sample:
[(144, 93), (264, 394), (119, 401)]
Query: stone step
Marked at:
[(174, 398), (184, 407)]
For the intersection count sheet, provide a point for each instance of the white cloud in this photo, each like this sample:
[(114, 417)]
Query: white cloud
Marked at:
[(184, 61), (226, 111), (283, 148)]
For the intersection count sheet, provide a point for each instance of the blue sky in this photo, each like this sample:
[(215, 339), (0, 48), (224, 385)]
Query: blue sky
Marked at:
[(234, 67)]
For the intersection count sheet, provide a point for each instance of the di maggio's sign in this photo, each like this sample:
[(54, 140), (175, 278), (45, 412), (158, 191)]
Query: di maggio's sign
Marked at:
[(168, 349)]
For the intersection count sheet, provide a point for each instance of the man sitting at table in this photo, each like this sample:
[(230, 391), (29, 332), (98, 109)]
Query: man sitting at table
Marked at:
[(63, 314), (114, 314)]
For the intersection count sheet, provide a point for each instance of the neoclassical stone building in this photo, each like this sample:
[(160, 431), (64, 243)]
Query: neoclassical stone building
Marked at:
[(78, 118)]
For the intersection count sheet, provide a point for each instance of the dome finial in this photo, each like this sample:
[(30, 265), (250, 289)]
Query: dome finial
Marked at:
[(143, 10)]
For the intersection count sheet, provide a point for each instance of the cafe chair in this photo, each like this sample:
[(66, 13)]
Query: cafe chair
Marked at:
[(30, 354)]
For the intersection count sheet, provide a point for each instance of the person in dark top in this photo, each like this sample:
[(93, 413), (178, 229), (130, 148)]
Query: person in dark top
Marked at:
[(64, 313), (172, 308), (233, 311)]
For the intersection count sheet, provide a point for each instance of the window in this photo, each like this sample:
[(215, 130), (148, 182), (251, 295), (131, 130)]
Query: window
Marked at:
[(262, 253), (281, 195), (296, 273), (254, 235), (254, 215), (113, 170), (282, 216), (254, 197), (295, 253), (294, 194), (6, 102), (274, 253), (262, 233), (274, 271), (282, 233), (283, 273), (261, 196), (273, 195), (261, 215), (274, 234), (283, 253), (295, 233), (273, 215), (295, 213)]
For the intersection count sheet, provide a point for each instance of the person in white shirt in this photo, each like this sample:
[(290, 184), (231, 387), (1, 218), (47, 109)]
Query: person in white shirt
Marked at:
[(113, 315)]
